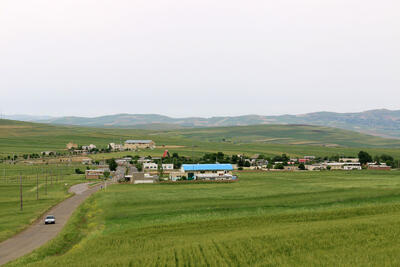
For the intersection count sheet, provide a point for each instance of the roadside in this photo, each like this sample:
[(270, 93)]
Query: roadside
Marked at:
[(38, 233)]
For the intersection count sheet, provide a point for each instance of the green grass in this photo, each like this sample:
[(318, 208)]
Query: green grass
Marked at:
[(265, 219), (271, 140), (12, 220)]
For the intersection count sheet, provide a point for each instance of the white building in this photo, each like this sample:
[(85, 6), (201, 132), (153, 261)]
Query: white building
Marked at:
[(150, 166), (168, 166), (334, 165), (89, 147), (352, 166)]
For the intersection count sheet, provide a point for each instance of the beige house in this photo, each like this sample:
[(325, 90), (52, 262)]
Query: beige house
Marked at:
[(335, 165), (71, 145), (315, 167), (116, 147), (139, 144), (94, 174)]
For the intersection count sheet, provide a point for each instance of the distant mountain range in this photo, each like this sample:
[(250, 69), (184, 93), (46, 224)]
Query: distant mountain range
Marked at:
[(380, 122)]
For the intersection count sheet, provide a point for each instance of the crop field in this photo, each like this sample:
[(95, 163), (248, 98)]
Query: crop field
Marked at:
[(270, 140), (265, 219), (53, 183)]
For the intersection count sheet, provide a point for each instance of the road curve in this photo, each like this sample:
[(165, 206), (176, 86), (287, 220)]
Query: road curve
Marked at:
[(38, 234)]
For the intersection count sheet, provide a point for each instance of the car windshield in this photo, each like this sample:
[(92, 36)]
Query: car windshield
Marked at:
[(50, 217)]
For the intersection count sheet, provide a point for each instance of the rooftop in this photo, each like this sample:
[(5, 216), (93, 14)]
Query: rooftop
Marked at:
[(138, 141), (207, 167)]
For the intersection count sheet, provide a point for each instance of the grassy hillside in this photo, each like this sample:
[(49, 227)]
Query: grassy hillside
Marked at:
[(23, 137), (265, 219), (380, 122), (287, 134)]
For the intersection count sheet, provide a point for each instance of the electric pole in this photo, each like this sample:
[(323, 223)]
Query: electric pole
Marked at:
[(46, 184), (37, 186), (20, 190)]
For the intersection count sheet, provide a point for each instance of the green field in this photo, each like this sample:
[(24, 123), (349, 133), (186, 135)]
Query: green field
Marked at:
[(264, 219), (12, 219), (270, 140)]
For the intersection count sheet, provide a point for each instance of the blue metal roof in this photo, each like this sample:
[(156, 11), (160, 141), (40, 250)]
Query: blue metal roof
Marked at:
[(207, 167)]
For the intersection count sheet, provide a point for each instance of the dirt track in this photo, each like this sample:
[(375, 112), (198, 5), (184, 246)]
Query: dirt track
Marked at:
[(39, 233)]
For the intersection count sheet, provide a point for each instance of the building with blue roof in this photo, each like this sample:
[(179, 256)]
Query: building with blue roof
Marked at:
[(207, 167), (217, 172)]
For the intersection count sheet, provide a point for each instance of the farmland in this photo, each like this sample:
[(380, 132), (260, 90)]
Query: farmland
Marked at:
[(270, 140), (59, 179), (273, 218)]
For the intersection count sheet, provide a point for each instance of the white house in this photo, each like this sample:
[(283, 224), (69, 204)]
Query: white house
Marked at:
[(168, 166), (352, 166), (150, 166), (89, 147), (334, 165)]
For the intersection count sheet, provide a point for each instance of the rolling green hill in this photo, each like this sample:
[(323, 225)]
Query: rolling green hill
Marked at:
[(23, 137), (287, 134), (381, 122)]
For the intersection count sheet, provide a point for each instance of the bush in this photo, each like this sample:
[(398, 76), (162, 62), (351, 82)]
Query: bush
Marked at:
[(279, 166), (78, 171), (302, 167)]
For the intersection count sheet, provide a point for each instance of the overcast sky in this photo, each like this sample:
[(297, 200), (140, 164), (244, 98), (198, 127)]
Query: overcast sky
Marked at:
[(198, 58)]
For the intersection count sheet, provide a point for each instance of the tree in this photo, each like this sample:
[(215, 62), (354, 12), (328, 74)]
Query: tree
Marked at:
[(364, 157), (106, 174), (389, 160), (279, 166), (139, 167), (78, 171), (302, 167), (112, 164)]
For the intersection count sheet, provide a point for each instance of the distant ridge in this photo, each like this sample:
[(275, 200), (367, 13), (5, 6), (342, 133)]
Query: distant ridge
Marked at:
[(380, 122)]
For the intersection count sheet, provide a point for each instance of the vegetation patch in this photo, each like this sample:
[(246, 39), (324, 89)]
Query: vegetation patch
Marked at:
[(265, 219)]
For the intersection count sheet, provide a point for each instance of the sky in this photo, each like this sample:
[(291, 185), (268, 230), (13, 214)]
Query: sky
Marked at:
[(198, 57)]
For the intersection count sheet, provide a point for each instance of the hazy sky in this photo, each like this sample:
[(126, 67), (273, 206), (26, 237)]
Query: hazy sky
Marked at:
[(202, 57)]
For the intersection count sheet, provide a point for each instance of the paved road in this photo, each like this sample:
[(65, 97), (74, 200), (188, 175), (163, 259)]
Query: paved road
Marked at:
[(39, 233)]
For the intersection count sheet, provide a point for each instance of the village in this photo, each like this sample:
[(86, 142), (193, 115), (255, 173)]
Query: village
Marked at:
[(211, 167), (175, 168)]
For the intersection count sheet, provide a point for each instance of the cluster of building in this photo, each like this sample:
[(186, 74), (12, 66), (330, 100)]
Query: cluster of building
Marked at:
[(346, 164), (310, 163), (128, 145)]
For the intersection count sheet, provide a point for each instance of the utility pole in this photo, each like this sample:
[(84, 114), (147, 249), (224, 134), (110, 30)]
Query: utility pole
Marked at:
[(20, 190), (46, 184), (37, 186)]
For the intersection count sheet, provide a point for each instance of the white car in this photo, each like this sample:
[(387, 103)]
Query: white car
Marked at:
[(50, 219)]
